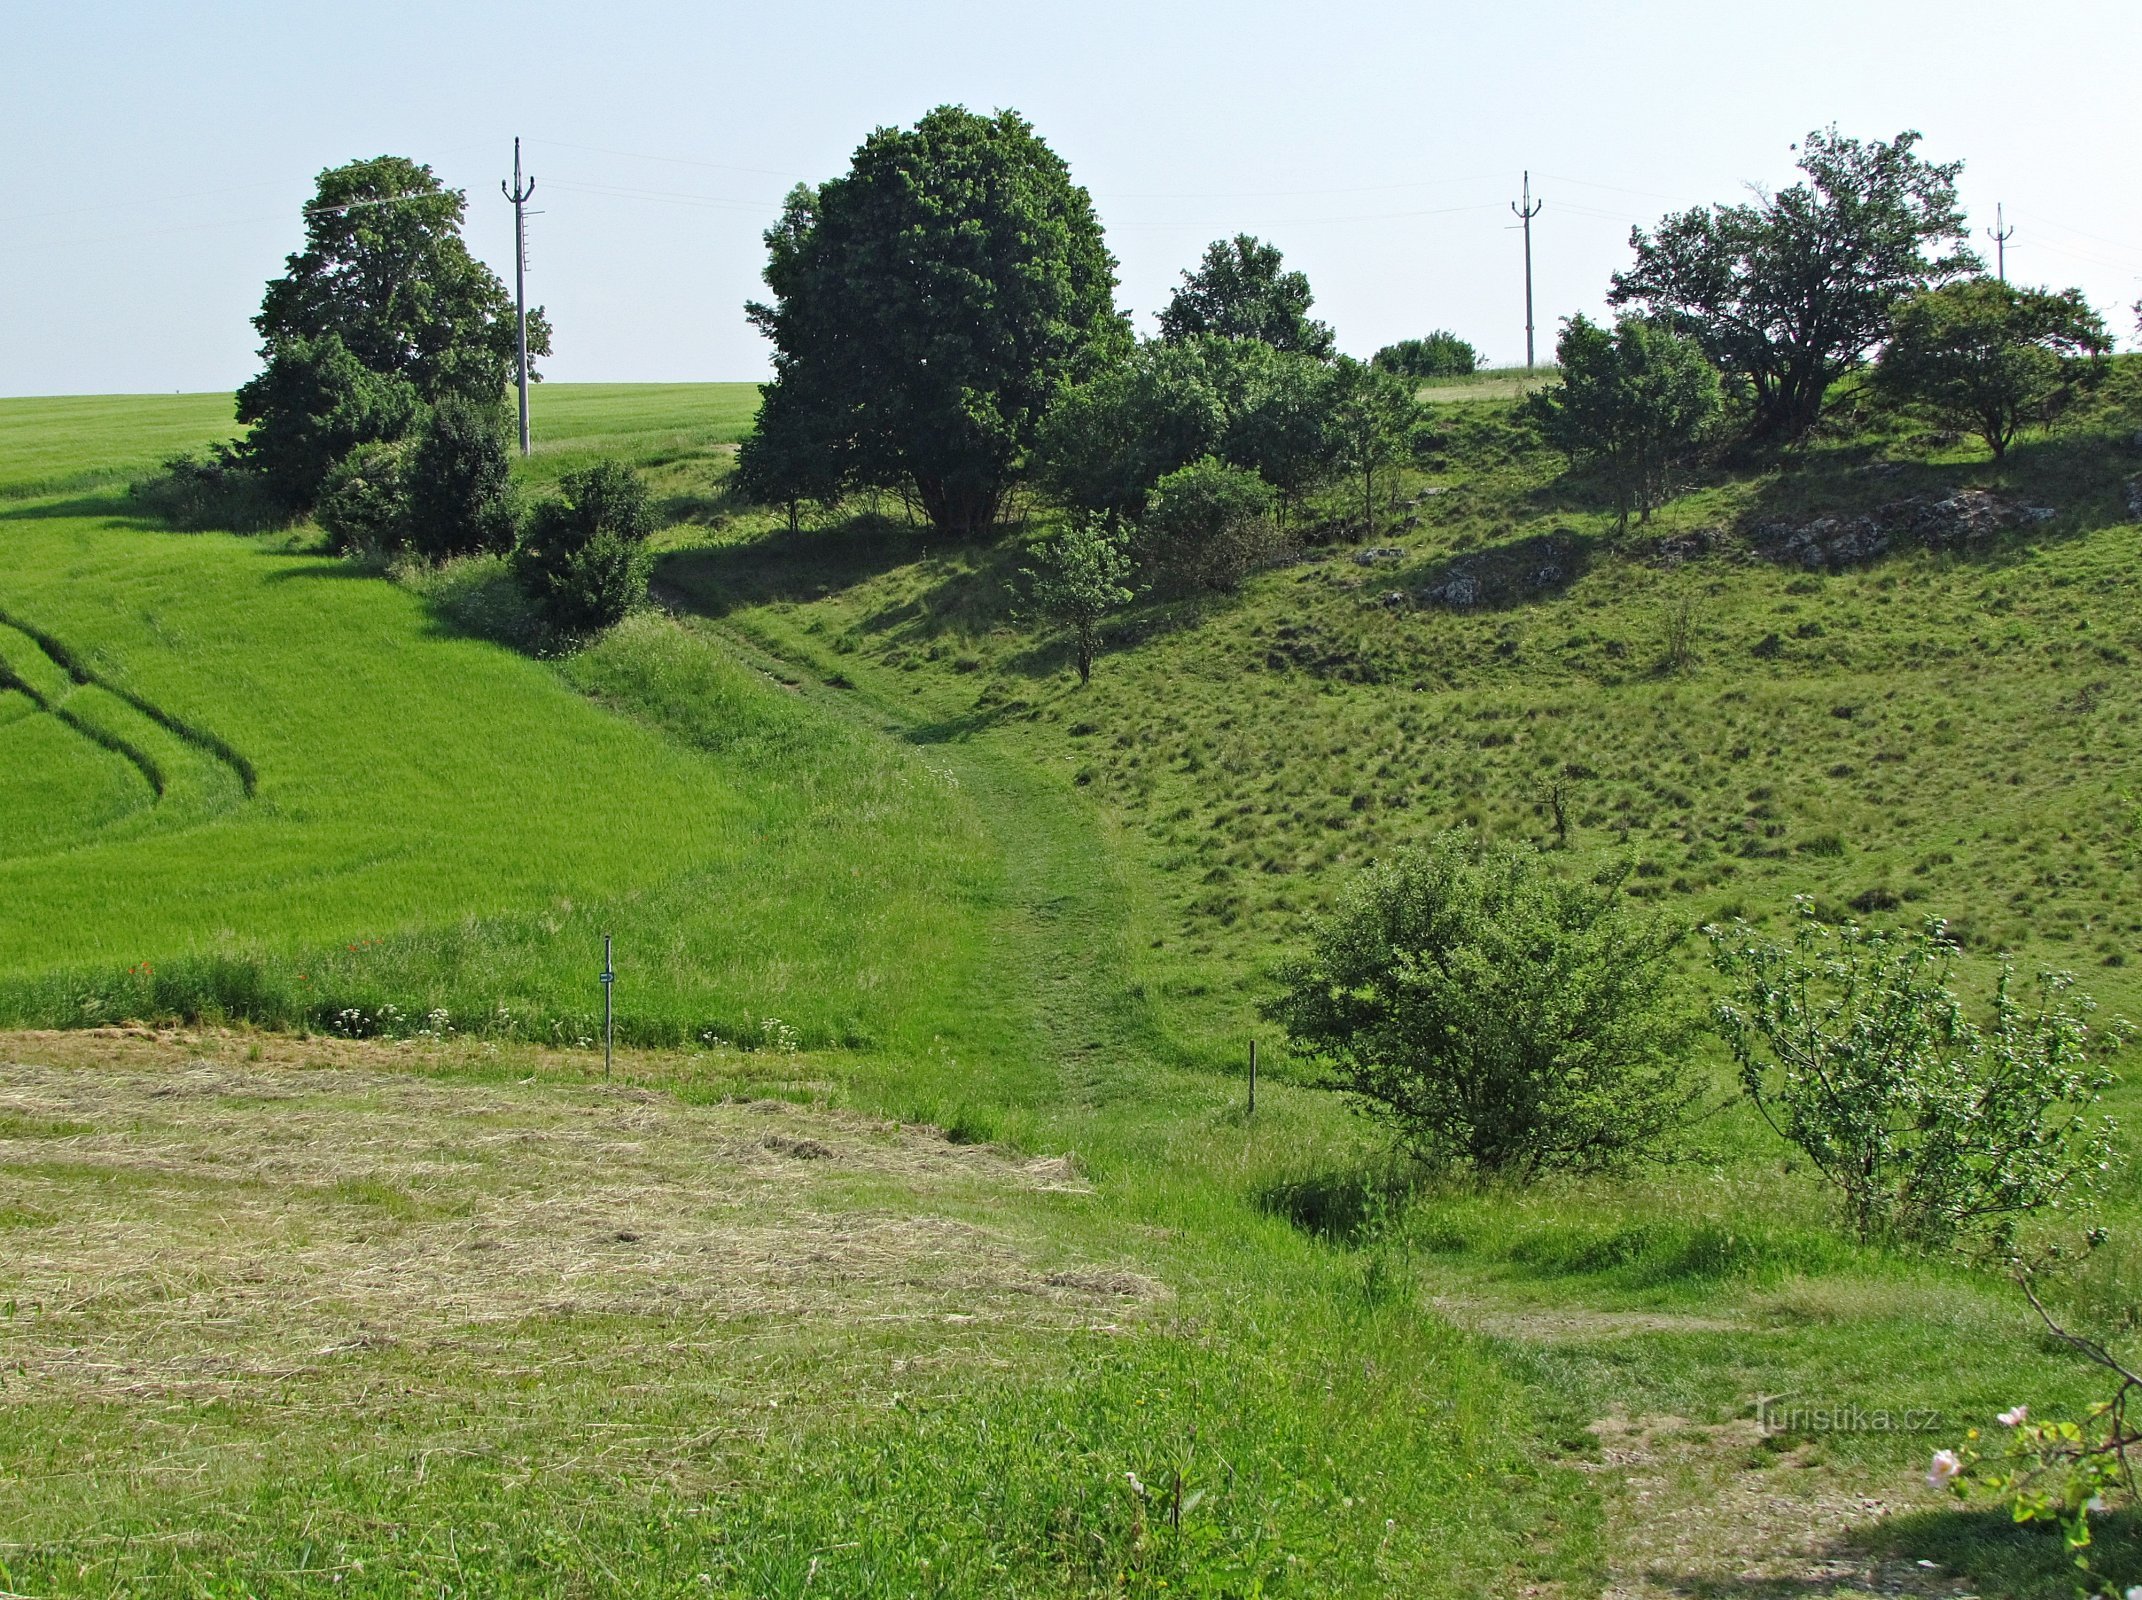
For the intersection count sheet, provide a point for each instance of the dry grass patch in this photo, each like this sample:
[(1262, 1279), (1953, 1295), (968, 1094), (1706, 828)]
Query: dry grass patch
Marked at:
[(186, 1222)]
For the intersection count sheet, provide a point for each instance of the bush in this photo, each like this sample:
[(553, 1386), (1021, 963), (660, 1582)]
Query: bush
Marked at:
[(461, 499), (584, 560), (1853, 1046), (1493, 1013), (364, 504), (312, 404), (215, 489), (1207, 526), (1440, 355)]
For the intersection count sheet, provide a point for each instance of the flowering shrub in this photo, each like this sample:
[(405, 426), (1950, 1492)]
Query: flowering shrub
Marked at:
[(1853, 1046), (2055, 1472)]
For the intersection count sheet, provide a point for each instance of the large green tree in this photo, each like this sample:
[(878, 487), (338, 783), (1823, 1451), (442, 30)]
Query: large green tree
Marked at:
[(1991, 357), (928, 305), (385, 270), (1242, 290), (1792, 290)]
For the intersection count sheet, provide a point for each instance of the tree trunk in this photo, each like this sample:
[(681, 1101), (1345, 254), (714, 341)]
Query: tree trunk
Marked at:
[(960, 510)]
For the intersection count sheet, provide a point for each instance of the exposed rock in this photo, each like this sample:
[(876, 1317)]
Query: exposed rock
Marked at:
[(2134, 491), (1959, 521), (1369, 558), (1675, 548), (1458, 590), (1507, 574)]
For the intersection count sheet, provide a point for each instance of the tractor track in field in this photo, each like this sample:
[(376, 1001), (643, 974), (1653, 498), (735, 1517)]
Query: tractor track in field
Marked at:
[(55, 654)]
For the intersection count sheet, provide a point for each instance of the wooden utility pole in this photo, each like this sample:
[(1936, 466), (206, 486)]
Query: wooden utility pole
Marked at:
[(519, 195), (2000, 233), (1525, 213)]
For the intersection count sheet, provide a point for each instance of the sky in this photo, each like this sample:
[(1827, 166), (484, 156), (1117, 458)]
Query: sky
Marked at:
[(158, 155)]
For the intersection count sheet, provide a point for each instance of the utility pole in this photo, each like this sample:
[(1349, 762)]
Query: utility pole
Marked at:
[(1525, 213), (519, 195), (2000, 234)]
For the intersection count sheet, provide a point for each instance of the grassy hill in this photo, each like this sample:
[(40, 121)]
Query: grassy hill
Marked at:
[(868, 850)]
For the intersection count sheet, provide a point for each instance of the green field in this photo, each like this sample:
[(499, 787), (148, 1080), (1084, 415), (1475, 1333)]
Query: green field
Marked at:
[(1038, 1309)]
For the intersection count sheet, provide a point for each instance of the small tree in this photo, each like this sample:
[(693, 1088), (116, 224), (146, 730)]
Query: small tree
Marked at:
[(1241, 290), (1207, 525), (584, 560), (1494, 1013), (460, 483), (1853, 1046), (1078, 580), (1372, 419), (1441, 355), (1632, 399), (1992, 358)]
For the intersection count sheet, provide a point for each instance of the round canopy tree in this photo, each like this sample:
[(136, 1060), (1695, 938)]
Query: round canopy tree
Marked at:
[(385, 269), (929, 304)]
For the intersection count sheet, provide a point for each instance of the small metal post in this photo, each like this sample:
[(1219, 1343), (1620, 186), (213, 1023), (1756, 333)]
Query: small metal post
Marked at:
[(1253, 1077), (609, 982)]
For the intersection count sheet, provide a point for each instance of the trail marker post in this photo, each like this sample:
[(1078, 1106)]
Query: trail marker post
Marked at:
[(609, 983), (1253, 1077)]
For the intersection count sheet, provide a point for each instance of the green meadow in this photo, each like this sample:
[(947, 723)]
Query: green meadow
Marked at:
[(1003, 1291)]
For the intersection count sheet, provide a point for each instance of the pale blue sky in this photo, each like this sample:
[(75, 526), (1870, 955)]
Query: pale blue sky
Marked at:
[(157, 154)]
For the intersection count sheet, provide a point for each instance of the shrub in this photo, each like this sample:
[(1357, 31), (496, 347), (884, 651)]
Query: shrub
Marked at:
[(364, 503), (311, 405), (215, 489), (1207, 526), (584, 560), (461, 497), (1494, 1013), (1852, 1045), (1441, 355)]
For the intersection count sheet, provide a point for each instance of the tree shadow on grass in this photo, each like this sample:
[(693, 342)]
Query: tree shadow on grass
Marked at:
[(810, 564), (114, 507), (1345, 1205), (1539, 566), (1996, 1554)]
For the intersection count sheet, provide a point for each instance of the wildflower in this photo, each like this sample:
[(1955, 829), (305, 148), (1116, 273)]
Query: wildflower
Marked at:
[(1136, 1487), (1944, 1470), (2014, 1417)]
